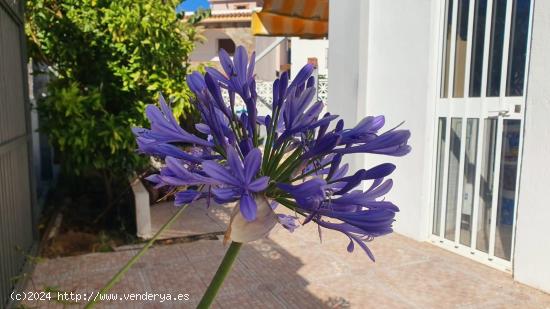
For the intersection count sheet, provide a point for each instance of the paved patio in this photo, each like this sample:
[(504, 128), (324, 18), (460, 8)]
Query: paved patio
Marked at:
[(293, 271)]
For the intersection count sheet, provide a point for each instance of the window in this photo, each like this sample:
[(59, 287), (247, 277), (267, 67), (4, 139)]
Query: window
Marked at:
[(228, 45), (497, 34), (241, 7), (476, 65)]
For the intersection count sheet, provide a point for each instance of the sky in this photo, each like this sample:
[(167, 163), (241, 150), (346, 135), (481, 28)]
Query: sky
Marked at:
[(192, 5)]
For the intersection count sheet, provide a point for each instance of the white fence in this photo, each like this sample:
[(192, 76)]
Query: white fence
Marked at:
[(265, 95)]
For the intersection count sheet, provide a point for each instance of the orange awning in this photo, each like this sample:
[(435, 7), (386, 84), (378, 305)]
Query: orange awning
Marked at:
[(301, 18)]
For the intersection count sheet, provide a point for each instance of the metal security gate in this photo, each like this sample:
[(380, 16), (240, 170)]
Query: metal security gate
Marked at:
[(16, 231), (482, 72)]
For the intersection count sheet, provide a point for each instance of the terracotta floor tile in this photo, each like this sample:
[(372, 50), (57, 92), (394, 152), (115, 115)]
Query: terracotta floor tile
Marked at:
[(293, 270)]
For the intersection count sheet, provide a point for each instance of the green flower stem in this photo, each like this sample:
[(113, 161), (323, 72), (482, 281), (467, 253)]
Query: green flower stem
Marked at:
[(290, 205), (267, 152), (276, 158), (270, 138), (301, 176), (118, 276), (288, 166), (219, 277)]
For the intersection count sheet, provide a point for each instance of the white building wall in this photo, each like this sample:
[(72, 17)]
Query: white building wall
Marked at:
[(216, 5), (391, 73), (302, 49), (400, 86), (532, 245)]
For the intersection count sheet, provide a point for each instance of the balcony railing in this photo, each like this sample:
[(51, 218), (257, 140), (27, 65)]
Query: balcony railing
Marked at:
[(265, 95)]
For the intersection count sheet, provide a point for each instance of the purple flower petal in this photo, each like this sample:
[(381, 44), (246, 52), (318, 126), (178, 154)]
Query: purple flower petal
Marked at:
[(196, 82), (226, 194), (176, 168), (186, 197), (288, 222), (379, 190), (164, 128), (350, 246), (214, 89), (235, 164), (259, 184), (248, 207), (309, 194), (217, 75), (392, 143), (216, 171), (226, 62), (302, 75), (376, 172), (240, 61), (203, 128), (252, 163)]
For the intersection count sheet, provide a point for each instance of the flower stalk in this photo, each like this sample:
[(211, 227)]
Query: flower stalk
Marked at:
[(120, 274), (221, 274)]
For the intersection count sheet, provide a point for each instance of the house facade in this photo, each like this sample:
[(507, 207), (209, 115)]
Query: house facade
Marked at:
[(469, 78), (228, 27)]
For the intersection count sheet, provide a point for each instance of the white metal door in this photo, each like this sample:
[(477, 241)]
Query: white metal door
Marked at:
[(482, 73)]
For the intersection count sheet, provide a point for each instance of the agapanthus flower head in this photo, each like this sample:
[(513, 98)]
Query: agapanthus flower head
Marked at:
[(297, 163)]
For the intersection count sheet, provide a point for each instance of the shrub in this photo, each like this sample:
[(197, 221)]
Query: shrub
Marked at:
[(110, 59)]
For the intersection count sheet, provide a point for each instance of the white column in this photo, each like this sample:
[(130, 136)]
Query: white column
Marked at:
[(347, 36), (532, 246), (393, 74)]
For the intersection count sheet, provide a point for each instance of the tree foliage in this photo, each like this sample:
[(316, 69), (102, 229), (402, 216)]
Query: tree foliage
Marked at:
[(110, 59)]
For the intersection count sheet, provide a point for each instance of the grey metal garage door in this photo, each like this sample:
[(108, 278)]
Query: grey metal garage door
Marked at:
[(16, 228)]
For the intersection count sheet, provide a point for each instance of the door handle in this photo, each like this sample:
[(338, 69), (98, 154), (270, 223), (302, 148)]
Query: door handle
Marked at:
[(502, 112)]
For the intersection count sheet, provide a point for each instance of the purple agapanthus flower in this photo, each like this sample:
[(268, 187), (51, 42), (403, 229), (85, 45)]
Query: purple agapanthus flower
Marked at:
[(239, 180), (165, 128), (296, 163)]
